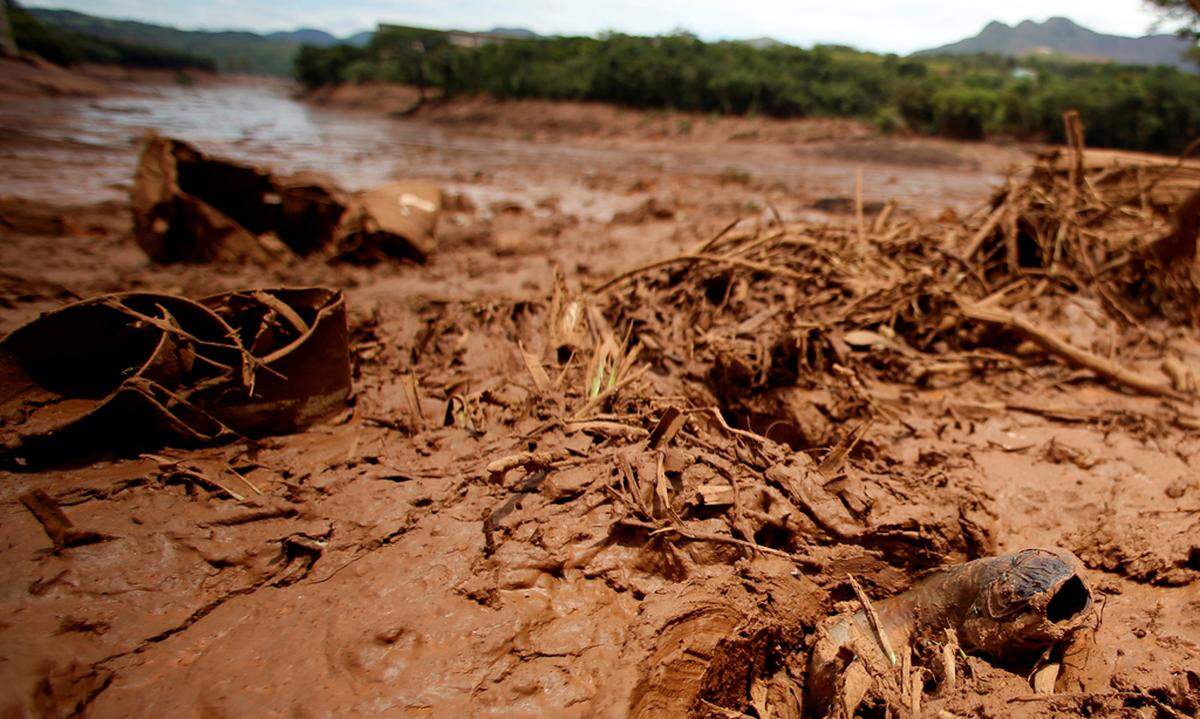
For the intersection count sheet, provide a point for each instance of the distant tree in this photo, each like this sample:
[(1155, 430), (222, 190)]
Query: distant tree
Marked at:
[(8, 46), (1182, 242), (1186, 10), (412, 55)]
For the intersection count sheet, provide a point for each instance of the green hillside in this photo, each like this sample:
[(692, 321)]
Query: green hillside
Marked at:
[(66, 47), (234, 52)]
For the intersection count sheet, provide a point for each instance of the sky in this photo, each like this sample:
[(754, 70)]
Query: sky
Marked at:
[(899, 26)]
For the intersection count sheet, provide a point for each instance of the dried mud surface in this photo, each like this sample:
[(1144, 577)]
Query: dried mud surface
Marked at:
[(496, 525)]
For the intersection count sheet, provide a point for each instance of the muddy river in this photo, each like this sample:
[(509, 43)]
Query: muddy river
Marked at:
[(73, 150), (85, 149)]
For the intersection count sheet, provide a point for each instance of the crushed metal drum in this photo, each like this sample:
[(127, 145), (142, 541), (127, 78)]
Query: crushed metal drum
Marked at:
[(136, 370), (96, 370), (301, 341), (185, 206), (191, 207), (1009, 606)]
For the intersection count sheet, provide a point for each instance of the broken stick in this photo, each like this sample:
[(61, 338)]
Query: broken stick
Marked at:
[(1068, 352), (869, 609), (58, 528)]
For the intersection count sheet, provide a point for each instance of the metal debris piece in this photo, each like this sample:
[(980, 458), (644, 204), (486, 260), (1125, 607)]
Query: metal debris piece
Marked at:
[(1009, 606), (395, 220), (137, 370)]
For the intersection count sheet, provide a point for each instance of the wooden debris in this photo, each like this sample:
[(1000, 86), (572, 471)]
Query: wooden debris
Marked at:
[(499, 467), (985, 231), (668, 426), (1184, 377), (1045, 677), (58, 527), (408, 385), (1066, 351), (873, 617), (541, 380), (716, 495), (950, 662), (915, 688)]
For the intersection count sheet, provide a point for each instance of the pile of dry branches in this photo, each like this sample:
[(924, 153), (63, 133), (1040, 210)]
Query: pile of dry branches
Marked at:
[(708, 405), (904, 300)]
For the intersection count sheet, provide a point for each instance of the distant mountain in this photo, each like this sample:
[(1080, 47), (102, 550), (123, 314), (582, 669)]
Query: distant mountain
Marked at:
[(361, 39), (233, 51), (519, 33), (762, 43), (1060, 36), (305, 36)]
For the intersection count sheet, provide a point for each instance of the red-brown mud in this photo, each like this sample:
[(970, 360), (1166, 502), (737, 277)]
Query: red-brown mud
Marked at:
[(505, 521)]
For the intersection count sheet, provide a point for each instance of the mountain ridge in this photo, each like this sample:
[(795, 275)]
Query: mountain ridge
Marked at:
[(237, 51), (1063, 36)]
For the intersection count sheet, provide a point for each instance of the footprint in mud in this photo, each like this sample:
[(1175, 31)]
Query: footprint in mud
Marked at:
[(382, 655), (687, 650), (708, 644)]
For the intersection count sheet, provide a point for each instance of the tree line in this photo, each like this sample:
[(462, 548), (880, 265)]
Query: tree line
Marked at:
[(1145, 108)]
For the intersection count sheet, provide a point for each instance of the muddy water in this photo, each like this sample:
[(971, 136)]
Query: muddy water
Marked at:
[(80, 150), (85, 149)]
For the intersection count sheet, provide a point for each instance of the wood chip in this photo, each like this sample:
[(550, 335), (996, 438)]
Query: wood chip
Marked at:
[(668, 426), (950, 662), (501, 466), (408, 385), (716, 495), (1045, 677)]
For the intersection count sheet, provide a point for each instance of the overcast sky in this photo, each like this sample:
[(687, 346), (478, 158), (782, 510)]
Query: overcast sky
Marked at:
[(882, 25)]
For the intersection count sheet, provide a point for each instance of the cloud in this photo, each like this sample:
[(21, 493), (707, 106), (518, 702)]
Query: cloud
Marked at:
[(880, 25)]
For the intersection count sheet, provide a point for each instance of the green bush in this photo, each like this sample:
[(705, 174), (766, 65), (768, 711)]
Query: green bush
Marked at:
[(964, 112), (1155, 109), (327, 66), (889, 121)]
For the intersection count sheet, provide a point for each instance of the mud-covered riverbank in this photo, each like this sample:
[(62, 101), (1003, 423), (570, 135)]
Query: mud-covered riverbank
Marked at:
[(473, 536)]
